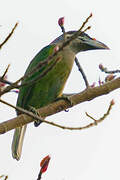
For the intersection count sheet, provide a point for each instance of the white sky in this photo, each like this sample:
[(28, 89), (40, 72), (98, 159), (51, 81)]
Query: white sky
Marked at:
[(89, 154)]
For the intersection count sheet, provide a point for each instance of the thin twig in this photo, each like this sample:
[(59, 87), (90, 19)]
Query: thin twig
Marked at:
[(14, 85), (31, 82), (104, 116), (58, 125), (3, 77), (4, 74), (37, 118), (76, 60), (23, 111), (112, 71), (6, 177), (58, 106), (5, 81), (85, 22), (39, 175), (9, 35), (82, 72), (104, 69), (47, 60), (64, 44)]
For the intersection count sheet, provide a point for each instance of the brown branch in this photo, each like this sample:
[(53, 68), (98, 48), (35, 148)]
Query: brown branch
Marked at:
[(6, 177), (104, 116), (46, 61), (5, 73), (14, 85), (9, 35), (3, 78), (105, 70), (61, 24), (39, 175), (61, 105), (5, 81)]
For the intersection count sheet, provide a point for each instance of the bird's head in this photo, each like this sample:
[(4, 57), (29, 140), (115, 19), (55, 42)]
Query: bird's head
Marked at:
[(82, 43)]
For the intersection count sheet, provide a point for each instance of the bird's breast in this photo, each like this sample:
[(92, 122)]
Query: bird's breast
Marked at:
[(50, 86)]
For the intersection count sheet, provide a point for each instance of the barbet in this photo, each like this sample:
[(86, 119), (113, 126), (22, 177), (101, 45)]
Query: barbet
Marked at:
[(50, 87)]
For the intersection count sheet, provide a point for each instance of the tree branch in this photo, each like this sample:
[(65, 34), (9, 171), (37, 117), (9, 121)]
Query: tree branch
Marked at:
[(9, 35), (58, 106), (82, 72), (104, 69), (47, 60)]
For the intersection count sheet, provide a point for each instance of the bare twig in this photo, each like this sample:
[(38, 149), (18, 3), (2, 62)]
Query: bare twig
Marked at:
[(4, 74), (85, 22), (44, 73), (5, 81), (104, 69), (61, 24), (15, 85), (6, 177), (64, 127), (46, 61), (22, 110), (9, 35), (86, 95), (31, 82), (3, 77), (39, 176), (82, 72), (64, 44), (104, 116)]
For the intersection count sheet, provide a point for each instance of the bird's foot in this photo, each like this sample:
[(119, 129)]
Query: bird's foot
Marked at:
[(34, 111), (66, 97)]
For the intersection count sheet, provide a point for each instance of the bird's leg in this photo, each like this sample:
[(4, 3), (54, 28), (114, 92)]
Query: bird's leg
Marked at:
[(34, 111)]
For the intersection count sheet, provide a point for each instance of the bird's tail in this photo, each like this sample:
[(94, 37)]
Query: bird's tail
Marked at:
[(18, 142)]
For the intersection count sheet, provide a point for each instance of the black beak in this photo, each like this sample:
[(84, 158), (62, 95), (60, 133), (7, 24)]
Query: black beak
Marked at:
[(94, 44)]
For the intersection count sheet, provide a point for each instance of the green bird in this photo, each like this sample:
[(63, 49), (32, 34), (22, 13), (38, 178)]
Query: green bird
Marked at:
[(49, 87)]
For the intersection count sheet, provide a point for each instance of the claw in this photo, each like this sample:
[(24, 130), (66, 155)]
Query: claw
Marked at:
[(37, 123), (33, 110), (66, 98)]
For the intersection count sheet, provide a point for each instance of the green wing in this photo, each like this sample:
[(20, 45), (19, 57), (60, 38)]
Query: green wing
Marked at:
[(25, 91)]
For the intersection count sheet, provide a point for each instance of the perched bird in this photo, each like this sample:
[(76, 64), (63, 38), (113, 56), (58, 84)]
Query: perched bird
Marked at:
[(50, 87)]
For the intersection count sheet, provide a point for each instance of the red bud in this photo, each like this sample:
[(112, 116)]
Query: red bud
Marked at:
[(91, 14), (61, 21), (93, 85), (44, 163), (101, 67), (3, 84), (112, 102)]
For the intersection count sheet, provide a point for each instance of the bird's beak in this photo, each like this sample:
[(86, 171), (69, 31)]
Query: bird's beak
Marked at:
[(94, 44)]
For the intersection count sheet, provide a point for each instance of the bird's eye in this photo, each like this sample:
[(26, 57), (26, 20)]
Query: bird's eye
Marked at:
[(68, 37)]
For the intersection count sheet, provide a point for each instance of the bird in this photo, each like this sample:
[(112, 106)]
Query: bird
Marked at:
[(50, 87)]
